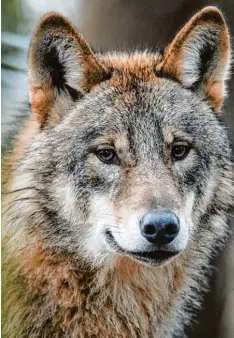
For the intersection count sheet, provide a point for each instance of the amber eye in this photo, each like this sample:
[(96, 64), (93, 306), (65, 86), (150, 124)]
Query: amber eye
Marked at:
[(179, 151), (107, 155)]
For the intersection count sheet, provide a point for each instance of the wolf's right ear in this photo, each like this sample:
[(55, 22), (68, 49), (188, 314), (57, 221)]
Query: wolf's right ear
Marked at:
[(62, 68)]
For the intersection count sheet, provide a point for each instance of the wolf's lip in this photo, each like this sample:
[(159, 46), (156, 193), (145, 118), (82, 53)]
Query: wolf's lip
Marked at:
[(155, 257), (158, 256)]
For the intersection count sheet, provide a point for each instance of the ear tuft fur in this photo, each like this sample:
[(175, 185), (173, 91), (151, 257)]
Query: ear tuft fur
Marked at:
[(199, 56)]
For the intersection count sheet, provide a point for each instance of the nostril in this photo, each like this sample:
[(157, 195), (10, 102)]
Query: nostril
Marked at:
[(149, 229), (171, 229)]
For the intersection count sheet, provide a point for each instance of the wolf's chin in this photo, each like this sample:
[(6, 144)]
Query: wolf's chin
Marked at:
[(150, 258)]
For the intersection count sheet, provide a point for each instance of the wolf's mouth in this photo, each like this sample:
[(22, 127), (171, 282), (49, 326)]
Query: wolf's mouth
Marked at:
[(156, 257)]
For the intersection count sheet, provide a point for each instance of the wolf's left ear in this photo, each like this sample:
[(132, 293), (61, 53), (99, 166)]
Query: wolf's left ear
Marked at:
[(199, 55), (62, 68)]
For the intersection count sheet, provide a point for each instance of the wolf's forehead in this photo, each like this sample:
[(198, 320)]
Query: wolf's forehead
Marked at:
[(139, 64), (137, 111), (131, 127), (147, 104)]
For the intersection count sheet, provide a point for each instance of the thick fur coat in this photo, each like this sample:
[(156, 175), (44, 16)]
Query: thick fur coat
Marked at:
[(74, 260)]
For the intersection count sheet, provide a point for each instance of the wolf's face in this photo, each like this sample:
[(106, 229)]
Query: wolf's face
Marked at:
[(159, 152), (131, 154)]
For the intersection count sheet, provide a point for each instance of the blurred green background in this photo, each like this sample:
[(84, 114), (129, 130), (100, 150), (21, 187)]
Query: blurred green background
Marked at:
[(120, 25)]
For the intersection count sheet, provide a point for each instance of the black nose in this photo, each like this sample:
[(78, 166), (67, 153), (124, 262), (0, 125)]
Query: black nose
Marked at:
[(160, 227)]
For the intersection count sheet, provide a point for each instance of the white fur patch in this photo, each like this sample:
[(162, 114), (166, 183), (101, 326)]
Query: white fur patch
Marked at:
[(186, 224), (101, 217)]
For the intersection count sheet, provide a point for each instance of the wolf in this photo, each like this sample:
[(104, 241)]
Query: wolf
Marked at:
[(117, 189)]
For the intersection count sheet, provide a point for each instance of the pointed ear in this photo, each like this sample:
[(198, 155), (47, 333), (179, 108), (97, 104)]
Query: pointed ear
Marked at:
[(199, 56), (62, 68)]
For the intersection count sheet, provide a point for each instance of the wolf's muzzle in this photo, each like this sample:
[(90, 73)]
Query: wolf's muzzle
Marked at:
[(159, 227)]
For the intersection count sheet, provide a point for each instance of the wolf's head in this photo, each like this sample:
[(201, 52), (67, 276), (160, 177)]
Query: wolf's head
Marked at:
[(131, 159)]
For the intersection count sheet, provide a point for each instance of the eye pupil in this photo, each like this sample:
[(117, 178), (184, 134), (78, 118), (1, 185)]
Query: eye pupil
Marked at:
[(179, 151), (106, 155)]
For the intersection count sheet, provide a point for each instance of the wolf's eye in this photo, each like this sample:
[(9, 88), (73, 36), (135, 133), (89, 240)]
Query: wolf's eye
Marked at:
[(107, 155), (179, 151)]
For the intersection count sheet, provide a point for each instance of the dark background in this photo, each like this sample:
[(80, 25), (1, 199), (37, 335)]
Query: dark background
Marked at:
[(121, 25)]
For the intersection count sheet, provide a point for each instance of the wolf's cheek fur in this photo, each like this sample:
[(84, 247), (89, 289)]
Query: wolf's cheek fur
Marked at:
[(101, 218)]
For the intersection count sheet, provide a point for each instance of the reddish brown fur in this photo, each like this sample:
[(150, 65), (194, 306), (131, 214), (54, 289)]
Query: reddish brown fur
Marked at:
[(77, 303), (42, 102)]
